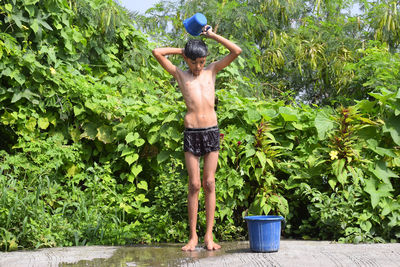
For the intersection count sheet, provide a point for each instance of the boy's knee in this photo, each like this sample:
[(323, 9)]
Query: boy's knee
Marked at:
[(194, 187), (209, 185)]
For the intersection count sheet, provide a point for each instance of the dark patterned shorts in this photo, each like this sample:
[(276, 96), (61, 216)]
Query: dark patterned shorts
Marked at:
[(200, 141)]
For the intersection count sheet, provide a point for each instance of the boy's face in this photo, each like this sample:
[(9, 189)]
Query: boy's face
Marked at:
[(196, 66)]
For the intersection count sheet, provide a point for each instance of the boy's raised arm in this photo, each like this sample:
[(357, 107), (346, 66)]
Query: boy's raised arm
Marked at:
[(233, 49), (161, 53)]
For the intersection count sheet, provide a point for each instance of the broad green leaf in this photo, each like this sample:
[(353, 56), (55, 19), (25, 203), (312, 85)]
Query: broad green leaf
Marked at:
[(366, 120), (298, 126), (16, 75), (43, 123), (162, 156), (16, 97), (250, 151), (131, 137), (384, 95), (93, 106), (27, 94), (139, 142), (373, 145), (383, 173), (31, 124), (89, 131), (268, 114), (269, 161), (262, 158), (31, 10), (252, 116), (131, 178), (8, 7), (155, 128), (258, 173), (323, 123), (7, 72), (29, 58), (147, 119), (266, 209), (72, 171), (377, 192), (169, 118), (45, 24), (171, 133), (392, 125), (270, 136), (131, 158), (104, 134), (78, 37), (141, 198), (366, 226), (356, 173), (256, 208), (35, 26), (136, 169), (389, 205), (127, 151), (78, 109), (332, 183), (128, 209), (152, 137), (340, 171), (75, 134), (143, 185), (288, 114), (20, 78), (18, 18)]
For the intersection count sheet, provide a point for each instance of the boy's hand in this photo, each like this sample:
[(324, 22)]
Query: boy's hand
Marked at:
[(207, 31)]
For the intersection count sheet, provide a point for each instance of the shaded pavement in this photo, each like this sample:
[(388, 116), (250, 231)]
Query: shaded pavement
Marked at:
[(291, 253)]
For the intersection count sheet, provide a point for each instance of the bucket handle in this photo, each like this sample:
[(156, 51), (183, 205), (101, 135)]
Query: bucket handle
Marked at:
[(205, 29)]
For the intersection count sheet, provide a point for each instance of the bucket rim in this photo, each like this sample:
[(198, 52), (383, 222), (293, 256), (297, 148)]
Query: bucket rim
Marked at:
[(264, 218)]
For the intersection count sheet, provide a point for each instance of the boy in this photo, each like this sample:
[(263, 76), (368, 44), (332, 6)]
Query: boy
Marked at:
[(201, 136)]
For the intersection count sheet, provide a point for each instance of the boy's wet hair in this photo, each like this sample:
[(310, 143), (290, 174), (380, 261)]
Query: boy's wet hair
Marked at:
[(195, 48)]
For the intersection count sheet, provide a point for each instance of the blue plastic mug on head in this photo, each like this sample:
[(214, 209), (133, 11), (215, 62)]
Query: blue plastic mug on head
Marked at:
[(194, 25)]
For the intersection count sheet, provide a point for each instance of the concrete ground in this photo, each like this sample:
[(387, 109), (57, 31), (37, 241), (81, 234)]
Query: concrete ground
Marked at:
[(291, 253)]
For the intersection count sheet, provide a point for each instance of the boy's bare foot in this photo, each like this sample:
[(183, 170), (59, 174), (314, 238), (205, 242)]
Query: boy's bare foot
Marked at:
[(191, 245), (210, 245)]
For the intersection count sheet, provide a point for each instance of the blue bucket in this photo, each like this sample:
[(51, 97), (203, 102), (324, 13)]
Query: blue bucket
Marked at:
[(194, 25), (264, 232)]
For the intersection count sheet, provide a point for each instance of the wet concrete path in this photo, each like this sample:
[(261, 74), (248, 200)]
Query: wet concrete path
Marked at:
[(291, 253)]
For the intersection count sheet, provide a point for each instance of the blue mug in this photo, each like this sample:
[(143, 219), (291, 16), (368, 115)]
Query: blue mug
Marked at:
[(194, 25)]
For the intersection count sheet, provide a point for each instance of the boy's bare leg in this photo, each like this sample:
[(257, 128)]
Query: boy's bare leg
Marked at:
[(210, 166), (194, 185)]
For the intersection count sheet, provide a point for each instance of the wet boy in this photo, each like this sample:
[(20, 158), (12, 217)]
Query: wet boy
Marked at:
[(201, 136)]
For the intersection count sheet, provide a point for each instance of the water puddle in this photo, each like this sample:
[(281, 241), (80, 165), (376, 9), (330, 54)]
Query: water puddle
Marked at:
[(160, 255)]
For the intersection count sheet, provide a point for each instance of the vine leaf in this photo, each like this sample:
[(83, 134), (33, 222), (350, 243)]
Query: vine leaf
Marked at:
[(383, 173), (392, 125), (323, 124), (383, 190)]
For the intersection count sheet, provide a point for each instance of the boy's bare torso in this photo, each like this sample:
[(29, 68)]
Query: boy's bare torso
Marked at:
[(199, 95)]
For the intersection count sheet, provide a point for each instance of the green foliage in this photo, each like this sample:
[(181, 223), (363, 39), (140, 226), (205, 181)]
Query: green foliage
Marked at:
[(91, 129)]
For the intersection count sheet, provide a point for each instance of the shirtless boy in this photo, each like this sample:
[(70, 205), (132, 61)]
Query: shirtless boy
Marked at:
[(201, 136)]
